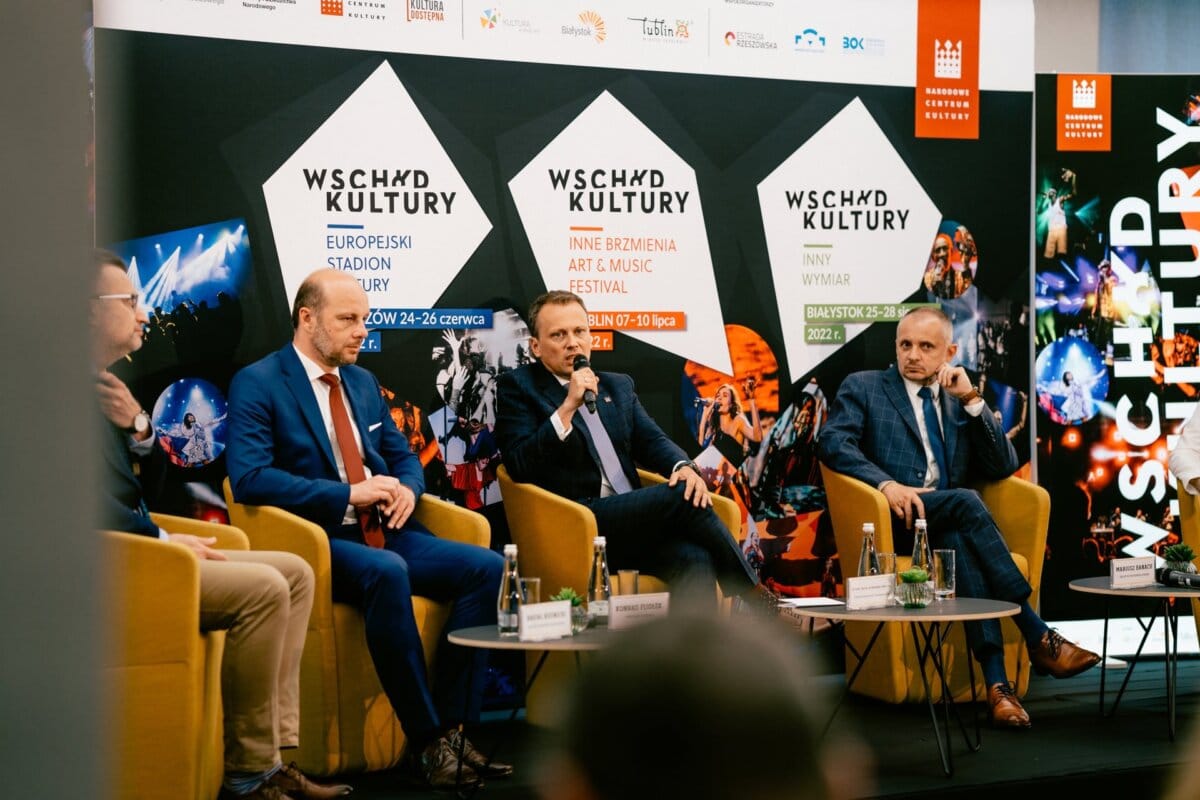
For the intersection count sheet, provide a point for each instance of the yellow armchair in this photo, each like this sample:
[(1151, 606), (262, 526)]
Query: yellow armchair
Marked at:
[(346, 721), (1189, 532), (161, 673), (554, 542), (1022, 512)]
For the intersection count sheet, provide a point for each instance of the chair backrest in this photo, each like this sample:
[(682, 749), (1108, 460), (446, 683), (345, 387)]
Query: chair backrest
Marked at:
[(553, 534)]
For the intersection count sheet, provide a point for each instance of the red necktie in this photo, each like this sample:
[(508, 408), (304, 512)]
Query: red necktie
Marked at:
[(351, 459)]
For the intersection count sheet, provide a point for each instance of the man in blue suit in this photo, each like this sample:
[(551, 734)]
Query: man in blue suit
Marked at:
[(548, 437), (310, 432), (919, 432)]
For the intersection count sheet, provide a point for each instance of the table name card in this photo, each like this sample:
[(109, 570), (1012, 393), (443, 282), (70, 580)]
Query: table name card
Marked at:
[(869, 591), (627, 610), (1131, 573), (537, 622)]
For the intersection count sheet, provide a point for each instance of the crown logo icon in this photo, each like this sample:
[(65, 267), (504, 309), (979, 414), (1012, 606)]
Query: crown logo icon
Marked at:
[(1083, 93), (947, 60)]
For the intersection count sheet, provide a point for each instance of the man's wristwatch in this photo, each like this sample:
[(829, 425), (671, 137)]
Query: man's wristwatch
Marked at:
[(140, 424), (970, 397)]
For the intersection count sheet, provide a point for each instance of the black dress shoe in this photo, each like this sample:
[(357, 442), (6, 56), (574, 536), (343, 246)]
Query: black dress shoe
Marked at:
[(477, 760)]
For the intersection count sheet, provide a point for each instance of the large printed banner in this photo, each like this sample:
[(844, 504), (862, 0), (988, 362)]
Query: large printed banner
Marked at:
[(742, 242), (1117, 248)]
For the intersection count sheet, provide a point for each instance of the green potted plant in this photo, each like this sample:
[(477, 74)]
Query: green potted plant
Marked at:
[(580, 618), (914, 591), (1179, 557)]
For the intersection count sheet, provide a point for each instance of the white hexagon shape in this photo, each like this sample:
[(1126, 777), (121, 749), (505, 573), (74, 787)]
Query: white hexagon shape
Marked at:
[(846, 222), (373, 192), (607, 197)]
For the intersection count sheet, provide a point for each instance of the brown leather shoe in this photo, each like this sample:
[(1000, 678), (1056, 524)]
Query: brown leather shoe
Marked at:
[(477, 760), (1054, 655), (1006, 709), (436, 767), (297, 785)]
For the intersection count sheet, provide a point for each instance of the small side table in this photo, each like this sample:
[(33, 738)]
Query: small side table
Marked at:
[(1167, 608), (929, 627), (488, 637)]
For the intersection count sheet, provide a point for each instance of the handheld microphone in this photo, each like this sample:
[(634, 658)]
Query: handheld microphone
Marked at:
[(589, 397), (1173, 577)]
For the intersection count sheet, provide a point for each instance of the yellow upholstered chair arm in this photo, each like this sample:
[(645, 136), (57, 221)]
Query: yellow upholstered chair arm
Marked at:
[(453, 522), (228, 537), (1022, 512), (272, 528), (851, 503), (554, 536), (153, 596)]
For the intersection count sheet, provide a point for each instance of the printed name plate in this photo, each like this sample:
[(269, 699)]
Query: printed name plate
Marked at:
[(537, 622), (1130, 573), (869, 591), (627, 610)]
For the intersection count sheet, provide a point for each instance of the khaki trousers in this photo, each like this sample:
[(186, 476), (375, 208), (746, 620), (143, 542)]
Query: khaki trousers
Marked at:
[(262, 600)]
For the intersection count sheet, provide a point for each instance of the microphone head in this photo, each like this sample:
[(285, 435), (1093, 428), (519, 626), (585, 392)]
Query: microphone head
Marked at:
[(580, 362)]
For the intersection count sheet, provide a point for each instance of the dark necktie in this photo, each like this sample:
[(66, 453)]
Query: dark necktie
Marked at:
[(608, 454), (368, 518), (936, 443)]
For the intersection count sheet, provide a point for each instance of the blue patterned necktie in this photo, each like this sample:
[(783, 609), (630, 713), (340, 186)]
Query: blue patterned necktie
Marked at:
[(934, 430), (608, 454)]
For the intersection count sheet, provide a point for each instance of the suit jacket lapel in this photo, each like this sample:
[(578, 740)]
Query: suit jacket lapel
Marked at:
[(296, 380), (897, 392)]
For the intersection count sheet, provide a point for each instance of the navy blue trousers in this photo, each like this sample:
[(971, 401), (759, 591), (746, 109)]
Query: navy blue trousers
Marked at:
[(382, 582), (984, 568), (654, 530)]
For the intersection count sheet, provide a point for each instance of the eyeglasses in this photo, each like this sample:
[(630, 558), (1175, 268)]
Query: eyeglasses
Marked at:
[(132, 300)]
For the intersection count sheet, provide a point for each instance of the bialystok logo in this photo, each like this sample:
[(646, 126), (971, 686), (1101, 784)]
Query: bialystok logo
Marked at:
[(591, 26), (425, 11), (490, 18)]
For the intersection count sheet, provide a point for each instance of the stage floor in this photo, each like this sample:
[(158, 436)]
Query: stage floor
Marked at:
[(1069, 748)]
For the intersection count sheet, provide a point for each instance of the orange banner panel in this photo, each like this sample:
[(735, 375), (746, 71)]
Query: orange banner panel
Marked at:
[(947, 101), (1084, 112)]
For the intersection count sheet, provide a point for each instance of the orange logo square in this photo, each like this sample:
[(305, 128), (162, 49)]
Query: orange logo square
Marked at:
[(331, 7), (1084, 112)]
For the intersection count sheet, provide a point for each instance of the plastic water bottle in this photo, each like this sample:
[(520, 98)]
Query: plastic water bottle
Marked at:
[(508, 604), (868, 559), (599, 584)]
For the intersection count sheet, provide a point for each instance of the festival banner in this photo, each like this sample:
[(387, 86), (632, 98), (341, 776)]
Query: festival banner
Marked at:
[(746, 230), (1117, 332)]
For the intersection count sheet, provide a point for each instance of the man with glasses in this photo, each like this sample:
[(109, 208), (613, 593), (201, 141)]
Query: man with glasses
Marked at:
[(261, 599)]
